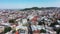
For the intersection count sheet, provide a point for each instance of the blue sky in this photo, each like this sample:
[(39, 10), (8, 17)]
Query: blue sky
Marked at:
[(13, 4)]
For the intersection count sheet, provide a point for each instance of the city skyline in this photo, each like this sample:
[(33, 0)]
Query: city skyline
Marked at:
[(13, 4)]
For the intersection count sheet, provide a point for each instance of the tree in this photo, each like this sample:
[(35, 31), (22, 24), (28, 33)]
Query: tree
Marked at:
[(7, 29), (12, 21)]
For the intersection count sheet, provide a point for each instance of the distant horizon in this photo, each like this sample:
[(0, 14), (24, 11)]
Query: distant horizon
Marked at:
[(21, 4), (25, 7), (29, 7)]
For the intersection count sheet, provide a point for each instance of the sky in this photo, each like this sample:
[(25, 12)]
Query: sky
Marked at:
[(19, 4)]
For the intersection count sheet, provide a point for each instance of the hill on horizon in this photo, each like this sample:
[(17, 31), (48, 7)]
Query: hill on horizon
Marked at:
[(42, 8)]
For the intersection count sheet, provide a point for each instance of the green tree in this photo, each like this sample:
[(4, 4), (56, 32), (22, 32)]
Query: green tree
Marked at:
[(7, 29), (12, 21)]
